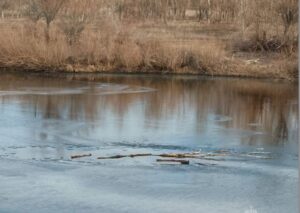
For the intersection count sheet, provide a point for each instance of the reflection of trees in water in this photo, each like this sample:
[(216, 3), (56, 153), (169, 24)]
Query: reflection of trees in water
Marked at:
[(269, 105), (50, 109), (281, 128), (252, 105)]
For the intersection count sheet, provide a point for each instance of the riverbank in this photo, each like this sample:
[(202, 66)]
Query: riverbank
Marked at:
[(180, 47)]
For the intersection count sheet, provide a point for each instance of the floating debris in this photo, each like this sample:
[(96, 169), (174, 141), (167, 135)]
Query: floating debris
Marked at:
[(180, 155), (80, 156), (125, 156), (113, 157), (140, 155), (184, 162), (206, 164), (218, 155), (170, 155)]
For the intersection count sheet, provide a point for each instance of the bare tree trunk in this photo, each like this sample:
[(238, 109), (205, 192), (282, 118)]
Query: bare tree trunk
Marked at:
[(164, 5), (199, 11), (209, 11), (243, 18)]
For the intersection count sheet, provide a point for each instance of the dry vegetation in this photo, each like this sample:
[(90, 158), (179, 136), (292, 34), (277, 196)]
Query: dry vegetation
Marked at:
[(255, 38)]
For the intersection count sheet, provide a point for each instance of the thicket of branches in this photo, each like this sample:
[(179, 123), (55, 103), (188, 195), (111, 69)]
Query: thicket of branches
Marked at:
[(247, 12), (94, 32)]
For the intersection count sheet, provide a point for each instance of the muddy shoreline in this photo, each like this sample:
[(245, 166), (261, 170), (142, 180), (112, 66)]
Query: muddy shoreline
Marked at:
[(54, 72)]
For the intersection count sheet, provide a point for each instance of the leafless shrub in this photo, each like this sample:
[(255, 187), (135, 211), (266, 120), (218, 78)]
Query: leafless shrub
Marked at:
[(75, 18), (288, 10), (4, 4), (47, 9), (73, 25), (263, 20), (187, 59), (95, 35), (33, 11)]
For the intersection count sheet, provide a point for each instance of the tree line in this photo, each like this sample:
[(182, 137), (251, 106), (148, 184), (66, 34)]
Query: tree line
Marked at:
[(261, 16)]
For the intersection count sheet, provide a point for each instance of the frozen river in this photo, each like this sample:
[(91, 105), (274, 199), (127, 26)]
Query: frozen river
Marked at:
[(244, 130)]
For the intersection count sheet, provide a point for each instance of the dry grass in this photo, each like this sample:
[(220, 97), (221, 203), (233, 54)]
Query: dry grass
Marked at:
[(107, 42), (23, 46)]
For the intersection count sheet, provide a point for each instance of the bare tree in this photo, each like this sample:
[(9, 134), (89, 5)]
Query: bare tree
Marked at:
[(33, 11), (288, 10), (47, 9), (75, 18), (4, 4), (119, 8)]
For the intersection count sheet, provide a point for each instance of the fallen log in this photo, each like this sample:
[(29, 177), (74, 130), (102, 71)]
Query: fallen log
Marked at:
[(171, 155), (175, 155), (140, 155), (124, 156), (185, 162), (206, 164), (80, 156), (113, 157)]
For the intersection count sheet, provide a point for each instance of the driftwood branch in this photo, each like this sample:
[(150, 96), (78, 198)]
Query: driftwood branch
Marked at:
[(80, 156), (182, 157), (185, 162), (125, 156), (172, 155)]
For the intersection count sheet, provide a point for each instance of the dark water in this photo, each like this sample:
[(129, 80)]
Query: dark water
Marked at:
[(45, 120)]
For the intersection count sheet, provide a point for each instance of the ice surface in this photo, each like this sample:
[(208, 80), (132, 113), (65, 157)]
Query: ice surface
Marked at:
[(44, 121)]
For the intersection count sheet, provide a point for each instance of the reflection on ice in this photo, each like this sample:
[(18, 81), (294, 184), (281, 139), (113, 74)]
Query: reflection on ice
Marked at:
[(245, 132), (97, 89)]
